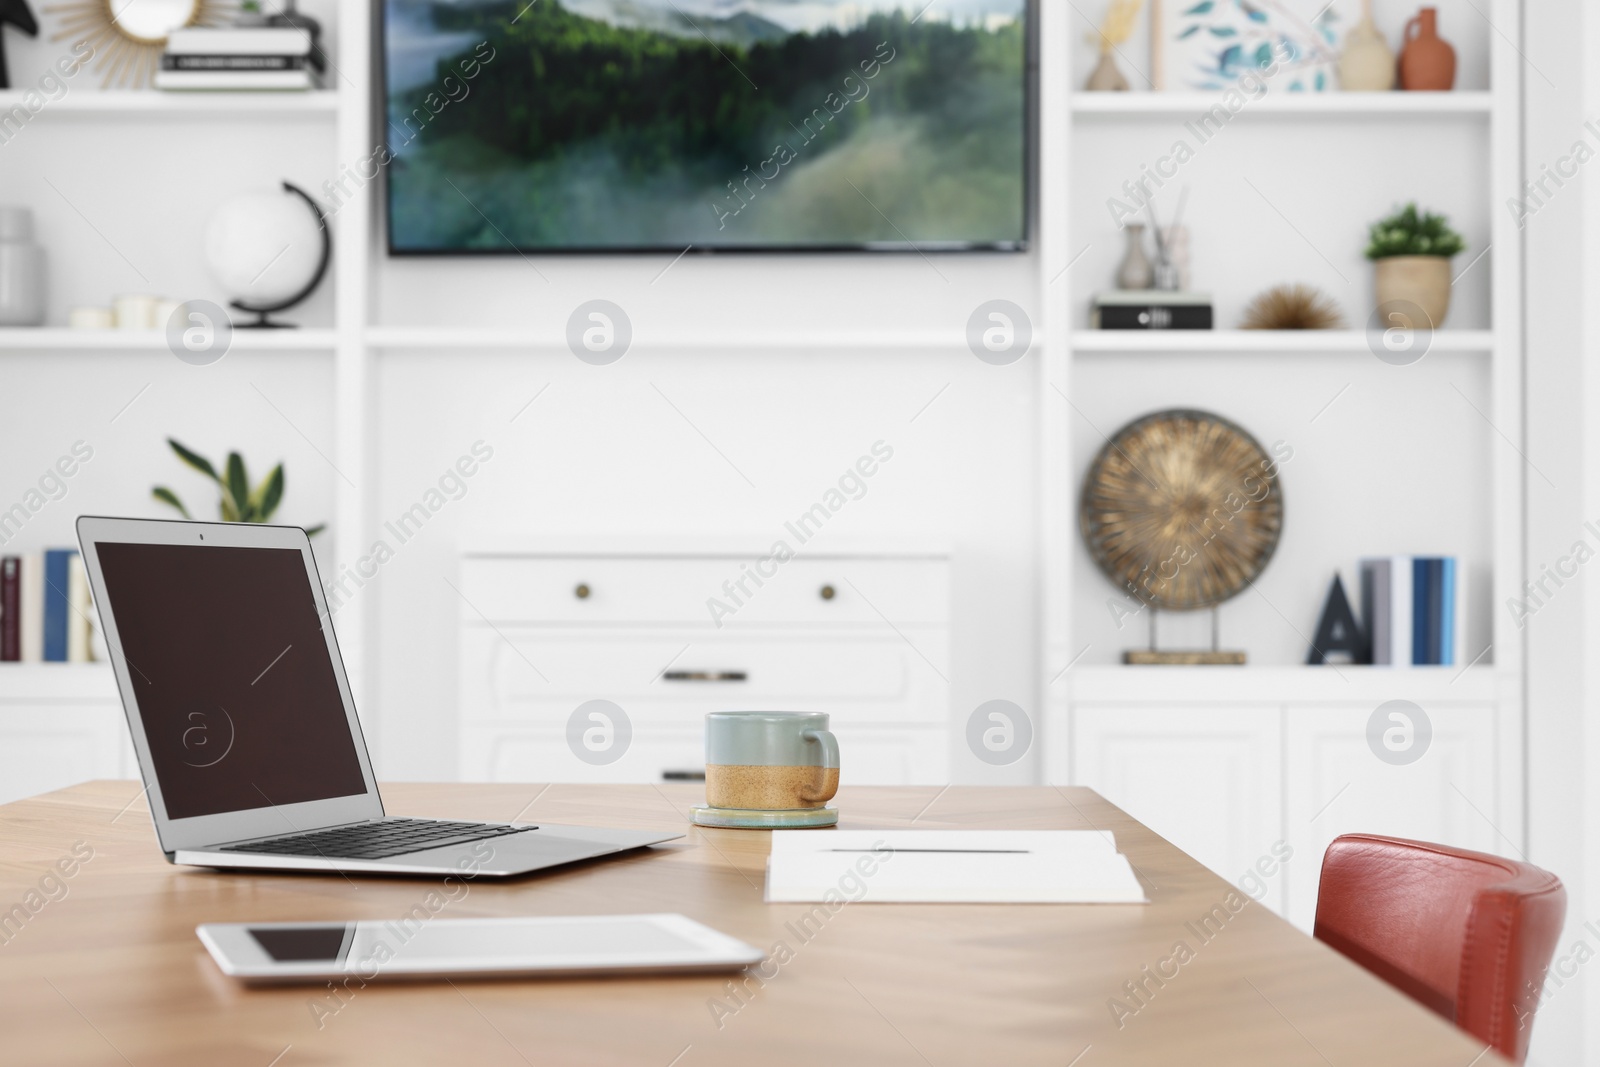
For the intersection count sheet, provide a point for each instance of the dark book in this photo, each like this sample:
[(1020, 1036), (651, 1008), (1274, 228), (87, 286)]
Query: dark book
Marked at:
[(247, 63), (10, 609), (1436, 612), (1419, 611)]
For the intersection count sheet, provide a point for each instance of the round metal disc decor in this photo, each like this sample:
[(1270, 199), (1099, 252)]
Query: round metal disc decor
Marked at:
[(1182, 509)]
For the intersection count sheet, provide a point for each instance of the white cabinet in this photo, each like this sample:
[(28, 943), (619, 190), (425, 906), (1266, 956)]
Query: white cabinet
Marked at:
[(60, 724), (1206, 779), (863, 637), (1338, 785), (1227, 762)]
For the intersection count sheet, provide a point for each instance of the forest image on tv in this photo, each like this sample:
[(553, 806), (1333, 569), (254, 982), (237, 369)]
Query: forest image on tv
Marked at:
[(591, 125)]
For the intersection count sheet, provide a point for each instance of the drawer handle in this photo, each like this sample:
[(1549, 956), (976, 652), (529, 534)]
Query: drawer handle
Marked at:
[(706, 676), (827, 592), (683, 776), (582, 591)]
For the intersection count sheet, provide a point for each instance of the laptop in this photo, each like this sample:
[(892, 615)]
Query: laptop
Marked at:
[(243, 721)]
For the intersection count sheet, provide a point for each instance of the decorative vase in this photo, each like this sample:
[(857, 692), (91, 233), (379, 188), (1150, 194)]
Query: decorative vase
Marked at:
[(1420, 280), (1367, 64), (1136, 271), (1427, 62), (1106, 77), (21, 270)]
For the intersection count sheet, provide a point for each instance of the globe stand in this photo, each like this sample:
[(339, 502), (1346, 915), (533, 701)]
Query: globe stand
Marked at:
[(262, 311)]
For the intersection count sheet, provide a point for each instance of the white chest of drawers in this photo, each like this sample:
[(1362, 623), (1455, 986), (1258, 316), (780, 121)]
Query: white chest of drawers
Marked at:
[(667, 631)]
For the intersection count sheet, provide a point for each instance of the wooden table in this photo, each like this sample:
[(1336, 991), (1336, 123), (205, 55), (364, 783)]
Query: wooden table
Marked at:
[(111, 972)]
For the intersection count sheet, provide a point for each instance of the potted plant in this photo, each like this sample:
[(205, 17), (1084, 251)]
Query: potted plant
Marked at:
[(1411, 252), (238, 502)]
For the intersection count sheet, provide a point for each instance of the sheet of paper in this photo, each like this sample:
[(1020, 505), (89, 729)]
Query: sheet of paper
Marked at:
[(950, 866)]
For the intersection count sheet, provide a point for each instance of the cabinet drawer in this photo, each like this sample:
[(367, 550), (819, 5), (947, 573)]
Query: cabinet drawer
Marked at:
[(527, 674), (705, 592), (869, 755)]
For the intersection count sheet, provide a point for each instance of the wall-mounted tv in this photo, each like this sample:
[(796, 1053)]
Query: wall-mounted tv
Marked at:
[(547, 126)]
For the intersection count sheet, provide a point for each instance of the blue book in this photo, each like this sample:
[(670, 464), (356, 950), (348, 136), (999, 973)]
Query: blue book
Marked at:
[(1419, 611), (57, 565), (1447, 615)]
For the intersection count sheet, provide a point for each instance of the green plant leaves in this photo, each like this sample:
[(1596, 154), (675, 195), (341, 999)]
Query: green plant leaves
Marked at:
[(1410, 232), (167, 496), (195, 460), (238, 487), (267, 495), (238, 503)]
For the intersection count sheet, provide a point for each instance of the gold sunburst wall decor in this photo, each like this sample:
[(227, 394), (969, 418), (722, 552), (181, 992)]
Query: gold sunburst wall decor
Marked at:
[(1183, 509), (128, 36)]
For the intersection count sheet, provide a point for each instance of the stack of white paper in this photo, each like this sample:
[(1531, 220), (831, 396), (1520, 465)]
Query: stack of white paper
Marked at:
[(950, 866)]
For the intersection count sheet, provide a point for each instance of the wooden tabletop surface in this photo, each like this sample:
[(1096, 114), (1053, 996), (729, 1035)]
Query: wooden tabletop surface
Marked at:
[(103, 966)]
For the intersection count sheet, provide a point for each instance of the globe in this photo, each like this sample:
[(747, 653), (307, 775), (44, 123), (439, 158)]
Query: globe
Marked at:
[(263, 248)]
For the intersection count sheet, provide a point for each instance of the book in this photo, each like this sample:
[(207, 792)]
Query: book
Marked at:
[(1150, 309), (280, 80), (1447, 613), (1376, 586), (57, 565), (1400, 611), (238, 41), (78, 608), (31, 617), (245, 63), (10, 609)]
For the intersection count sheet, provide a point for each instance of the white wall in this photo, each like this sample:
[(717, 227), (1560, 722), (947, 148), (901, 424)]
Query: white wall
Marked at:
[(1561, 701)]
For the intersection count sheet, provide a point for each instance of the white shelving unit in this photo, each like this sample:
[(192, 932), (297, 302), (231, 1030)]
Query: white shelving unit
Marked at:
[(1282, 104), (1264, 342), (149, 104), (44, 339), (1272, 749)]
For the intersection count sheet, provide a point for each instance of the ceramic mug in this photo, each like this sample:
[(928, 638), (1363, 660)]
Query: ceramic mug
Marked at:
[(770, 760)]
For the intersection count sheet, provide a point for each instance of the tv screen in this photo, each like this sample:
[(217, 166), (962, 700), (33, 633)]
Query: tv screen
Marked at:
[(664, 125)]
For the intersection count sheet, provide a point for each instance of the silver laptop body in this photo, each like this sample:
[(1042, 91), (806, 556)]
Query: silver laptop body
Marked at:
[(243, 720)]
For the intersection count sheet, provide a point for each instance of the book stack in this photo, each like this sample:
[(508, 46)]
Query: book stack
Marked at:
[(46, 614), (1150, 309), (237, 57), (1415, 607)]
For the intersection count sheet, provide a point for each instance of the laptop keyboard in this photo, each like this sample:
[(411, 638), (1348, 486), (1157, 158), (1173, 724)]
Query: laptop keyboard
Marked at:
[(377, 840)]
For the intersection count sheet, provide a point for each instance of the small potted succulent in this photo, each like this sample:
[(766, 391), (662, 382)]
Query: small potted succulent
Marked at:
[(1411, 252)]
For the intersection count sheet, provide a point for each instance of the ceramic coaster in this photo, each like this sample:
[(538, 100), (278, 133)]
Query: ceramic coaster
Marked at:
[(755, 819)]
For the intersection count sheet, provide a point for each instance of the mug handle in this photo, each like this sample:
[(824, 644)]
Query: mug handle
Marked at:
[(830, 761)]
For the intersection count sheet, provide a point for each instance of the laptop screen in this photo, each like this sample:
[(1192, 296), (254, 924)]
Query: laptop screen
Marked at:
[(235, 686)]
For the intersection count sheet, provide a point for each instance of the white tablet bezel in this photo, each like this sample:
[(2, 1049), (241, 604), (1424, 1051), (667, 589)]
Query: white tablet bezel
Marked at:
[(267, 821), (239, 955)]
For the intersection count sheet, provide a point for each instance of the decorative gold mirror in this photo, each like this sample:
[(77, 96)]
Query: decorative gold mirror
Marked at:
[(128, 36), (1182, 510)]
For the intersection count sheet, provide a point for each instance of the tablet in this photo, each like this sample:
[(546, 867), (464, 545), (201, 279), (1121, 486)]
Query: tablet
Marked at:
[(440, 948)]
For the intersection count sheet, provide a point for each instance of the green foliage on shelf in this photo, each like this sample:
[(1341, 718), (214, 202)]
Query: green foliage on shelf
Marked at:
[(239, 502), (1409, 232)]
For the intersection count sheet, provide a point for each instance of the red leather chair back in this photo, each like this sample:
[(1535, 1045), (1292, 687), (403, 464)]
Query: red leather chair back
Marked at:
[(1468, 934)]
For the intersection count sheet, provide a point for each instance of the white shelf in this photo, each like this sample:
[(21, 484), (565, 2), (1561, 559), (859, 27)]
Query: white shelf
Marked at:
[(31, 682), (53, 339), (1337, 684), (1275, 342), (412, 337), (151, 103), (1193, 105)]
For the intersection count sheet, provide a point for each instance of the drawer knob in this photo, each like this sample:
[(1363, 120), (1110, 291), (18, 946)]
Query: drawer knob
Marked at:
[(582, 591), (827, 592)]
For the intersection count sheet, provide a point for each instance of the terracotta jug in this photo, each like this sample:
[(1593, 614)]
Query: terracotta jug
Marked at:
[(1427, 62)]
